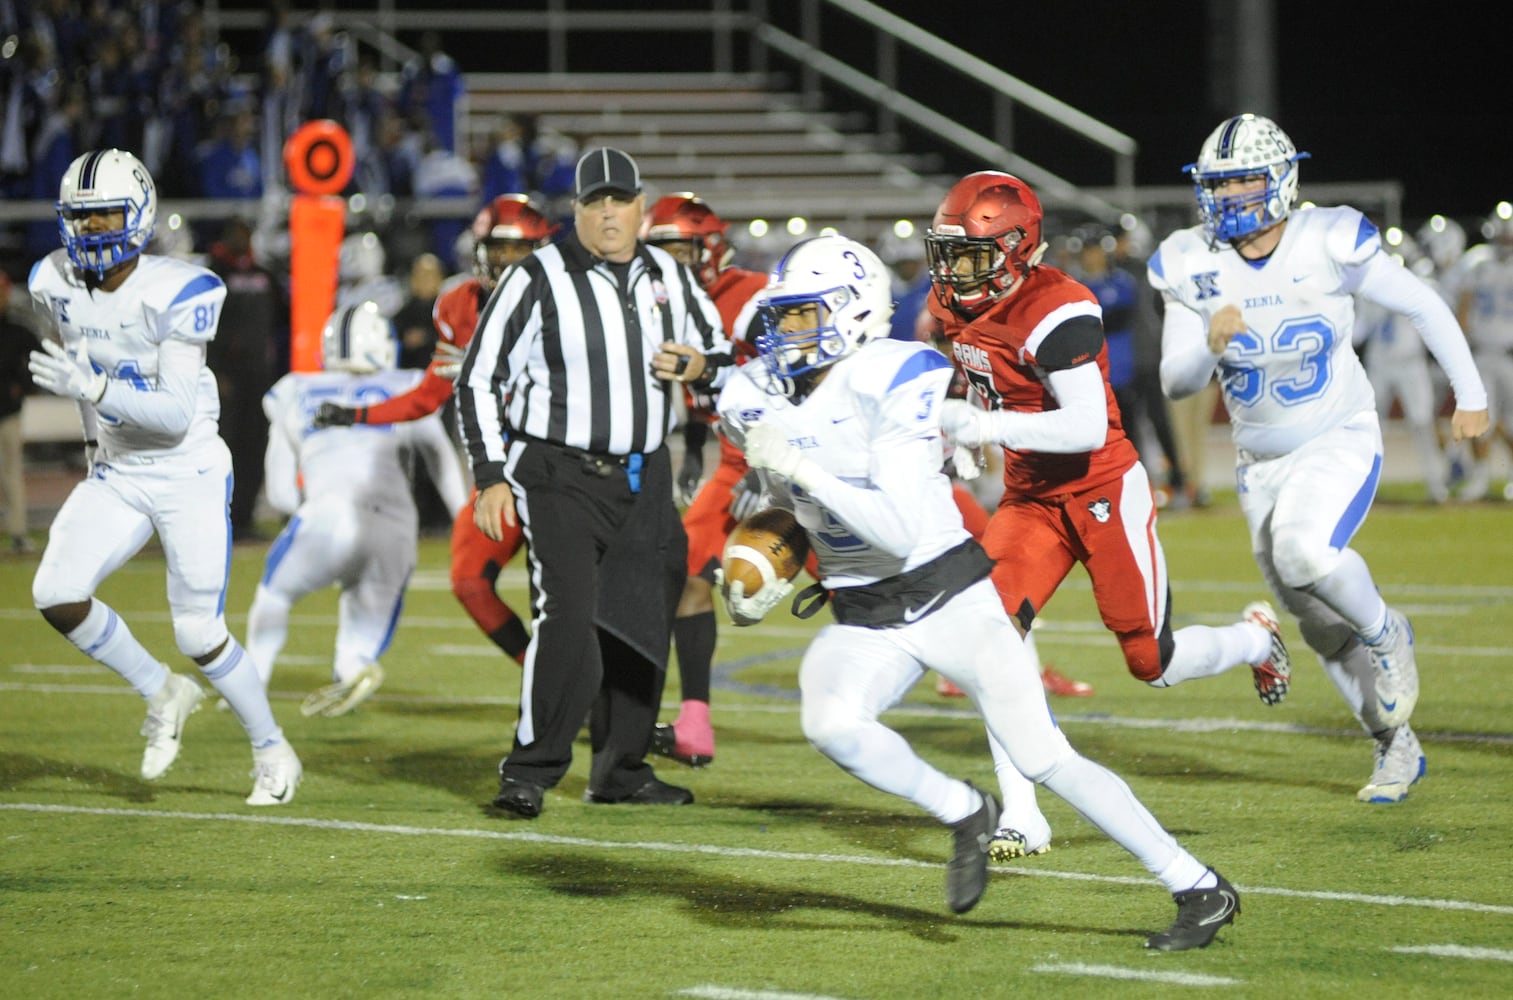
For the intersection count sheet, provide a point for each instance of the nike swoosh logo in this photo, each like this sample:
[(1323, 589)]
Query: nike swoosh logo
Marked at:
[(912, 615), (840, 420), (282, 794), (1299, 277), (1387, 705), (1229, 907)]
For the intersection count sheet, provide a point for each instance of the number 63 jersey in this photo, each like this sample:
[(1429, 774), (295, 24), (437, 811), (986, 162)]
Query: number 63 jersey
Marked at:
[(1292, 374), (148, 335)]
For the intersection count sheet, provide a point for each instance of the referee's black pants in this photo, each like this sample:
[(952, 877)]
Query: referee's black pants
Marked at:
[(607, 567)]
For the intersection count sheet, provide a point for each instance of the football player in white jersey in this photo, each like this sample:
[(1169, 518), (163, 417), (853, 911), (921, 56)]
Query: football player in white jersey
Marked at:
[(845, 425), (133, 329), (354, 521), (1262, 293), (1485, 307)]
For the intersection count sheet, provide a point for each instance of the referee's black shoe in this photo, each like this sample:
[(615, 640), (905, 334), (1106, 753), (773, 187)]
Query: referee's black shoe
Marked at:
[(519, 797), (655, 792)]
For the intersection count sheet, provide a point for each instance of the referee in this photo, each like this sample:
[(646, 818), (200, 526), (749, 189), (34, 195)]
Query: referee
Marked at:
[(565, 401)]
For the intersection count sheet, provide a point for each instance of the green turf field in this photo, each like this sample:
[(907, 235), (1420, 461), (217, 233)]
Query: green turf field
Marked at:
[(388, 877)]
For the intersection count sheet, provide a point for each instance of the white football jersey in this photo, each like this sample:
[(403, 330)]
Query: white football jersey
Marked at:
[(1293, 373), (874, 424), (164, 299), (1489, 320), (366, 463)]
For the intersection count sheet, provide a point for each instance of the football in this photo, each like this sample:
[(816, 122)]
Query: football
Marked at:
[(768, 545)]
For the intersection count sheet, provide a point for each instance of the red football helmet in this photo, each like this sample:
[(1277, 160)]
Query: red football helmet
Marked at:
[(505, 232), (984, 238), (685, 226)]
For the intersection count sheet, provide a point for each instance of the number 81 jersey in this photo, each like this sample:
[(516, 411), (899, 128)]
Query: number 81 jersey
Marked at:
[(162, 299), (1292, 373)]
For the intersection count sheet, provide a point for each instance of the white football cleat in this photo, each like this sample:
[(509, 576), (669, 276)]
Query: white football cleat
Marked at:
[(276, 773), (164, 727), (1396, 671), (343, 696), (1399, 763)]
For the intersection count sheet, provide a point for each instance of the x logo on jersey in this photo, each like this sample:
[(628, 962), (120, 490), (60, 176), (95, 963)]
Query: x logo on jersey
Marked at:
[(1208, 284)]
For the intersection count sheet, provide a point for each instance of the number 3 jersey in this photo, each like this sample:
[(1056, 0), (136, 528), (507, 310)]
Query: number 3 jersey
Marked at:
[(149, 337), (1292, 373)]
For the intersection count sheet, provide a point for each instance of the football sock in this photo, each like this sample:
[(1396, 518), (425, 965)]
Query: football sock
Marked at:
[(104, 637), (267, 630), (1020, 810), (233, 675), (1205, 651), (1103, 799), (695, 636)]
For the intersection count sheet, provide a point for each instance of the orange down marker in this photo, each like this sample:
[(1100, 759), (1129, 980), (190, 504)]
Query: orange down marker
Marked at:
[(319, 162)]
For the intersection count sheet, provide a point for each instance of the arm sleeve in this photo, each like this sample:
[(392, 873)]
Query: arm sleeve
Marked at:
[(1078, 424), (427, 397), (280, 460), (169, 406), (441, 462), (1187, 365), (906, 456), (1388, 284)]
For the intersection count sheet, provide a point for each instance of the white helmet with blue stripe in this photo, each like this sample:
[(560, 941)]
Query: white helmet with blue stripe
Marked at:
[(1245, 146), (106, 180), (840, 288), (358, 339)]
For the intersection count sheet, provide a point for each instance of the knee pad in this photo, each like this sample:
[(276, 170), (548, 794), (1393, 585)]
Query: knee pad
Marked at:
[(199, 634), (1301, 560), (1327, 638), (49, 590), (1145, 655)]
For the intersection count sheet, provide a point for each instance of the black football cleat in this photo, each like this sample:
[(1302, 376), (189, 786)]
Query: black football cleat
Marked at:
[(521, 798), (1200, 914), (967, 871), (655, 792)]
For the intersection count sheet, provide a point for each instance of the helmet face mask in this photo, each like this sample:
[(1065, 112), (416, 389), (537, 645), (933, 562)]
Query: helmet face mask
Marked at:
[(685, 226), (506, 231), (1256, 153), (824, 299), (112, 185), (984, 239), (359, 340)]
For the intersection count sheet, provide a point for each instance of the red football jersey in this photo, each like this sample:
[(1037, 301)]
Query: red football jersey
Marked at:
[(454, 315), (998, 350)]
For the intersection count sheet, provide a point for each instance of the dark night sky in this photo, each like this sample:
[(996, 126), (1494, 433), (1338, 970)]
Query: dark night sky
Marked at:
[(1414, 92)]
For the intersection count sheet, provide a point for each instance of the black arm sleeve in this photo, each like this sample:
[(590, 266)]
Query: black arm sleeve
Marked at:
[(1073, 343)]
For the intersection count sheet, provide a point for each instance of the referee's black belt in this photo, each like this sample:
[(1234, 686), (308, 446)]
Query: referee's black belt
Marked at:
[(594, 463)]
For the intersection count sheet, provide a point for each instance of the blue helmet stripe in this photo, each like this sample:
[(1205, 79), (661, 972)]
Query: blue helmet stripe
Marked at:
[(1227, 140), (87, 171), (346, 331)]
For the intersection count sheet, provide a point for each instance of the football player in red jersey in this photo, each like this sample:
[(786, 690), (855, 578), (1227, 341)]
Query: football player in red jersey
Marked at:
[(685, 226), (505, 231), (1029, 339)]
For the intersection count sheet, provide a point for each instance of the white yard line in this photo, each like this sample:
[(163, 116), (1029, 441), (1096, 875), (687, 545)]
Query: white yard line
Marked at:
[(1140, 975), (664, 847), (1455, 951)]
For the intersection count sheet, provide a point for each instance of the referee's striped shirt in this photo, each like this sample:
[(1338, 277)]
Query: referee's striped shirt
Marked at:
[(563, 354)]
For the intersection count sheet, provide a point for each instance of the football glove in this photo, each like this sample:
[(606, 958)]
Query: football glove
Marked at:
[(745, 610), (333, 415), (695, 433), (447, 360), (768, 447), (966, 424), (968, 462), (747, 496), (65, 374)]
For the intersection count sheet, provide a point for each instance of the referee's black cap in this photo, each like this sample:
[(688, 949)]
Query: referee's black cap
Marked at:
[(605, 168)]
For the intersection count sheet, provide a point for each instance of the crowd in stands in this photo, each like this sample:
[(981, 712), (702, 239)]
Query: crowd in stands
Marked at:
[(209, 121)]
